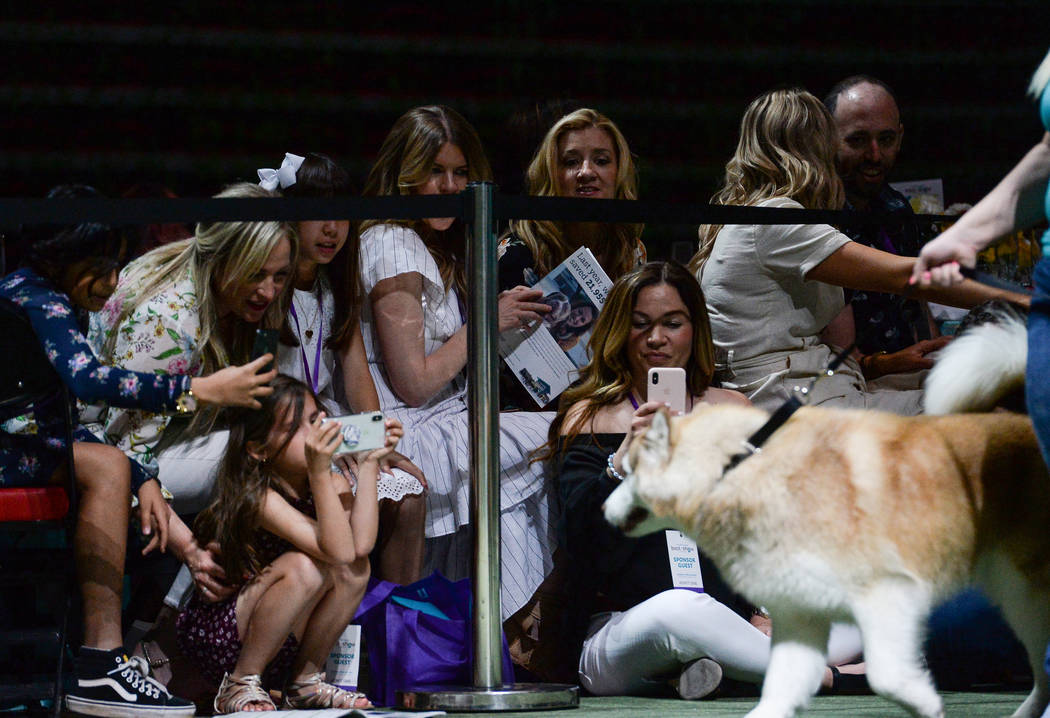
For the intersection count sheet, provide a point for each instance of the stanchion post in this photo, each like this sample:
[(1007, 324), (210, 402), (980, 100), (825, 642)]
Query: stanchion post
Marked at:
[(483, 403), (492, 691)]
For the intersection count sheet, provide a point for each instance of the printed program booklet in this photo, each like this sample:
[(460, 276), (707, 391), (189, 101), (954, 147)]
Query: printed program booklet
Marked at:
[(546, 356)]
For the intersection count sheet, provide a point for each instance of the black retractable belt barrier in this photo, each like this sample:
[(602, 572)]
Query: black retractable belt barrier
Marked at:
[(120, 211), (226, 209)]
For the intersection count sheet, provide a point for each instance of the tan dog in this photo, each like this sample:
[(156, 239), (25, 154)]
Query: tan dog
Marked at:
[(855, 516)]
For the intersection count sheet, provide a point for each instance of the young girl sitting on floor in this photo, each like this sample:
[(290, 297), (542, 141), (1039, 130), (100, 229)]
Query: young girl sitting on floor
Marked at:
[(291, 525)]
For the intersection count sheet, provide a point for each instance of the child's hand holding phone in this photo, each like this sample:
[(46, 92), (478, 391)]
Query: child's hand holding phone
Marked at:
[(322, 441), (394, 432)]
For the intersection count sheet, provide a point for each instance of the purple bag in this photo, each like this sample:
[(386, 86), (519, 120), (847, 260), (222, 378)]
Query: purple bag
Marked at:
[(419, 636)]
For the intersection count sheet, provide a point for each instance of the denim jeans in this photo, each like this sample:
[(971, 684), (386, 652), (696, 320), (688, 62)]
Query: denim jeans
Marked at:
[(1037, 384), (1037, 380)]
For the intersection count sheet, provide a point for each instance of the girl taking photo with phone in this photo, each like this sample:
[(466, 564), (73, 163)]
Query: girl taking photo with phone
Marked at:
[(301, 538)]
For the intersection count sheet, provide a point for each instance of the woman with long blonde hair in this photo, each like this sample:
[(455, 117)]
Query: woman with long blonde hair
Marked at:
[(70, 270), (772, 289), (192, 307), (415, 335), (584, 154)]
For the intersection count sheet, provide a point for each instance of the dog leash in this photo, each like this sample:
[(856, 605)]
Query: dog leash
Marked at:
[(800, 394)]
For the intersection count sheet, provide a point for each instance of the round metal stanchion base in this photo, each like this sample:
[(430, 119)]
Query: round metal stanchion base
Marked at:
[(509, 697)]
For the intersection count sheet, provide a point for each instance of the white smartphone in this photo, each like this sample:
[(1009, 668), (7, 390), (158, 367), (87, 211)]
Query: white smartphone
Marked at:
[(667, 385), (360, 432)]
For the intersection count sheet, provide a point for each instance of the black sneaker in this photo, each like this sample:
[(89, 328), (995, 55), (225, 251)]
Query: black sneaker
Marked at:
[(111, 684)]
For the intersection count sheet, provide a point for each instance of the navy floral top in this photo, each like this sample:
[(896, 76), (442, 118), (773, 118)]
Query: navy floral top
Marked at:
[(32, 445)]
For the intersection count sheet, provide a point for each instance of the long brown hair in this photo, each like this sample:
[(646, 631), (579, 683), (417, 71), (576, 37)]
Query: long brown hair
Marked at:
[(607, 379), (546, 239), (232, 517), (320, 176), (786, 149), (404, 163)]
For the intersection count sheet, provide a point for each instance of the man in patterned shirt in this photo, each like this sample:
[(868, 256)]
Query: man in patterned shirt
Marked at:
[(890, 333)]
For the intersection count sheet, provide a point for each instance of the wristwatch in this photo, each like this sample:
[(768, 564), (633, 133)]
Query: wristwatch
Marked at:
[(187, 402)]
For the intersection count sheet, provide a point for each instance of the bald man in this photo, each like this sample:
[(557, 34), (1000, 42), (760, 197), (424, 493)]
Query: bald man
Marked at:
[(870, 131), (893, 337)]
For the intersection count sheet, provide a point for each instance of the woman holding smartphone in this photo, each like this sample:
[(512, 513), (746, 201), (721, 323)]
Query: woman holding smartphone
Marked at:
[(192, 307), (69, 270), (636, 623)]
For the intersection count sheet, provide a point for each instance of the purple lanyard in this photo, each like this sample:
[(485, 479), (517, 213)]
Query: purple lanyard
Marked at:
[(630, 395), (887, 243), (320, 341), (462, 310)]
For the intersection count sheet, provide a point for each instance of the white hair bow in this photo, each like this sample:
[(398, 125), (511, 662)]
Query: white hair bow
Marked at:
[(285, 176)]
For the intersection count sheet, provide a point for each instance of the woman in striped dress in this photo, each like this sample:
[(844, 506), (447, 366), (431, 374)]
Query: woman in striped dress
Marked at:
[(415, 336)]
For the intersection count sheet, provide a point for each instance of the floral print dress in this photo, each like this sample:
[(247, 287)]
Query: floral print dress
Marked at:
[(160, 337), (32, 445)]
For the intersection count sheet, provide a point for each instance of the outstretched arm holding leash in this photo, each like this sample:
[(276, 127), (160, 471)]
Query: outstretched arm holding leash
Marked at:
[(1015, 203)]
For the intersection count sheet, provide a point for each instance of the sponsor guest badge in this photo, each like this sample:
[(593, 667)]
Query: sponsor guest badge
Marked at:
[(684, 558), (344, 661)]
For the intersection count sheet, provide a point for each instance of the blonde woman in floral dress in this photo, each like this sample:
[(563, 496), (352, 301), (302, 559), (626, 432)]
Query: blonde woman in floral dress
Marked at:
[(192, 307)]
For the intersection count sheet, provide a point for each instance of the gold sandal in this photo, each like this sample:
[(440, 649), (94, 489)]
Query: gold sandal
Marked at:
[(322, 695), (236, 693)]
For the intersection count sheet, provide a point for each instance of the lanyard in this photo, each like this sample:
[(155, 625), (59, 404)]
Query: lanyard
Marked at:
[(320, 341)]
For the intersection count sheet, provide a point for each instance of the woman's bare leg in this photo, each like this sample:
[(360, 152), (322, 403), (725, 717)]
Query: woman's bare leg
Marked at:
[(400, 544), (103, 481)]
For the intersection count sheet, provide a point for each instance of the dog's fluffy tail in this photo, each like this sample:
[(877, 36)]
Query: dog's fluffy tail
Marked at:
[(980, 367)]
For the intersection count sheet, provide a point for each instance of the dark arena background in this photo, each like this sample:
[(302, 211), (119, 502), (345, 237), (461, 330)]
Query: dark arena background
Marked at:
[(191, 96), (194, 95)]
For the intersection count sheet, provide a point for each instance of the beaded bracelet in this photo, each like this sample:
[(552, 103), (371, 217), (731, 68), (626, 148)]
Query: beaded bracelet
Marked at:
[(611, 470)]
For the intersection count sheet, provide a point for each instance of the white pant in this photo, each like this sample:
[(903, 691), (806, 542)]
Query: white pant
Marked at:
[(634, 651), (189, 468)]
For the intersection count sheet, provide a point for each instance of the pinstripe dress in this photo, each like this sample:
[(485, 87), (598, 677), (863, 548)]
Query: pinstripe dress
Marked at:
[(437, 435)]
